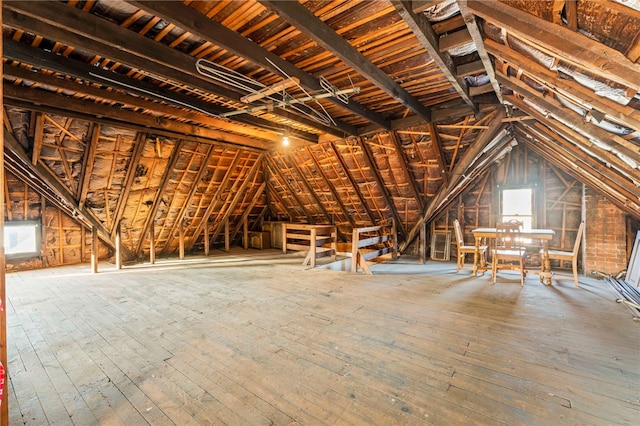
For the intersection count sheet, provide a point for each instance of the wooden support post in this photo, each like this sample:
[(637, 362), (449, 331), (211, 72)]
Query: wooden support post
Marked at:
[(284, 238), (394, 239), (83, 243), (245, 233), (43, 233), (118, 247), (181, 240), (312, 249), (152, 242), (227, 243), (423, 243), (94, 250), (354, 250), (206, 238)]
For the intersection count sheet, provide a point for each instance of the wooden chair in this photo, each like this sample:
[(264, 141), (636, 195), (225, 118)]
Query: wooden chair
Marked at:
[(508, 249), (463, 249), (569, 256)]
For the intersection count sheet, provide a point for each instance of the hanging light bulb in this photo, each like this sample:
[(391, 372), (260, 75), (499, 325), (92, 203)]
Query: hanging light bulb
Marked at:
[(285, 139)]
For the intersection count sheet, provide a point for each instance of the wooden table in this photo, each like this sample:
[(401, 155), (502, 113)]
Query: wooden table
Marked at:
[(544, 235)]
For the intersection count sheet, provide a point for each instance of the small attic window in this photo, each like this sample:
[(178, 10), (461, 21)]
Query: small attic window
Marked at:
[(22, 239), (517, 203)]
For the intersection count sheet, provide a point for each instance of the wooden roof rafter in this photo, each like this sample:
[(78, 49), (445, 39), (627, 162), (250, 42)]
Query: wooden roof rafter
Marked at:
[(321, 203), (577, 93), (189, 197), (43, 181), (282, 180), (131, 173), (124, 47), (565, 118), (326, 183), (352, 181), (561, 42), (216, 33), (247, 179), (224, 183), (474, 160), (159, 193), (371, 164), (314, 28), (587, 172), (425, 33), (476, 36)]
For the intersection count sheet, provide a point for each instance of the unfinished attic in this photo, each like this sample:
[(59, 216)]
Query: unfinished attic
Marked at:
[(320, 212)]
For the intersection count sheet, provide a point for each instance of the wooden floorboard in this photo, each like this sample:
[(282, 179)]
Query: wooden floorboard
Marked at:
[(255, 338)]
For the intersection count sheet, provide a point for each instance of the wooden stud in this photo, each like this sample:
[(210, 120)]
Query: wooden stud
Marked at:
[(118, 247), (205, 230), (245, 233), (227, 243), (152, 243), (181, 240), (94, 250)]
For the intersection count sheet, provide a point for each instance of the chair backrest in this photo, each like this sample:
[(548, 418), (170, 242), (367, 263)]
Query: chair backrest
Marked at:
[(576, 245), (458, 232), (508, 234)]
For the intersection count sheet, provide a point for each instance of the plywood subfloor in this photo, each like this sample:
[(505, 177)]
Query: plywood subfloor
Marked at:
[(254, 338)]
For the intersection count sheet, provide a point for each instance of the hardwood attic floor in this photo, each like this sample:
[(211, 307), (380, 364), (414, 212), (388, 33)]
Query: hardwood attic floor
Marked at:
[(254, 338)]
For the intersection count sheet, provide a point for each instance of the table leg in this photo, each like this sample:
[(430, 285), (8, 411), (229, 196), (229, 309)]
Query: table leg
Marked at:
[(546, 263)]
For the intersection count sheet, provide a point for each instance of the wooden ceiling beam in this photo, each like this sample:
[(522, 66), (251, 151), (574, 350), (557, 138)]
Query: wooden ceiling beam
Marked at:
[(37, 100), (216, 33), (476, 36), (119, 97), (92, 34), (567, 118), (560, 42), (313, 27), (425, 34), (570, 89)]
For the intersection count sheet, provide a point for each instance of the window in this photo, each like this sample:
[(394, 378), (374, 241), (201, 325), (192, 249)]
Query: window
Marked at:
[(22, 239), (518, 204)]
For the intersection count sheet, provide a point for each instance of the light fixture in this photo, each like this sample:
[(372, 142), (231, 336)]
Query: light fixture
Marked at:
[(285, 138)]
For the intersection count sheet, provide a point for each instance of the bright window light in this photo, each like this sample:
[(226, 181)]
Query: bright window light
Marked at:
[(22, 239), (518, 204)]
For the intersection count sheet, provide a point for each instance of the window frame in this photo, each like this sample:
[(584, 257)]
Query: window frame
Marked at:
[(38, 238), (532, 214)]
